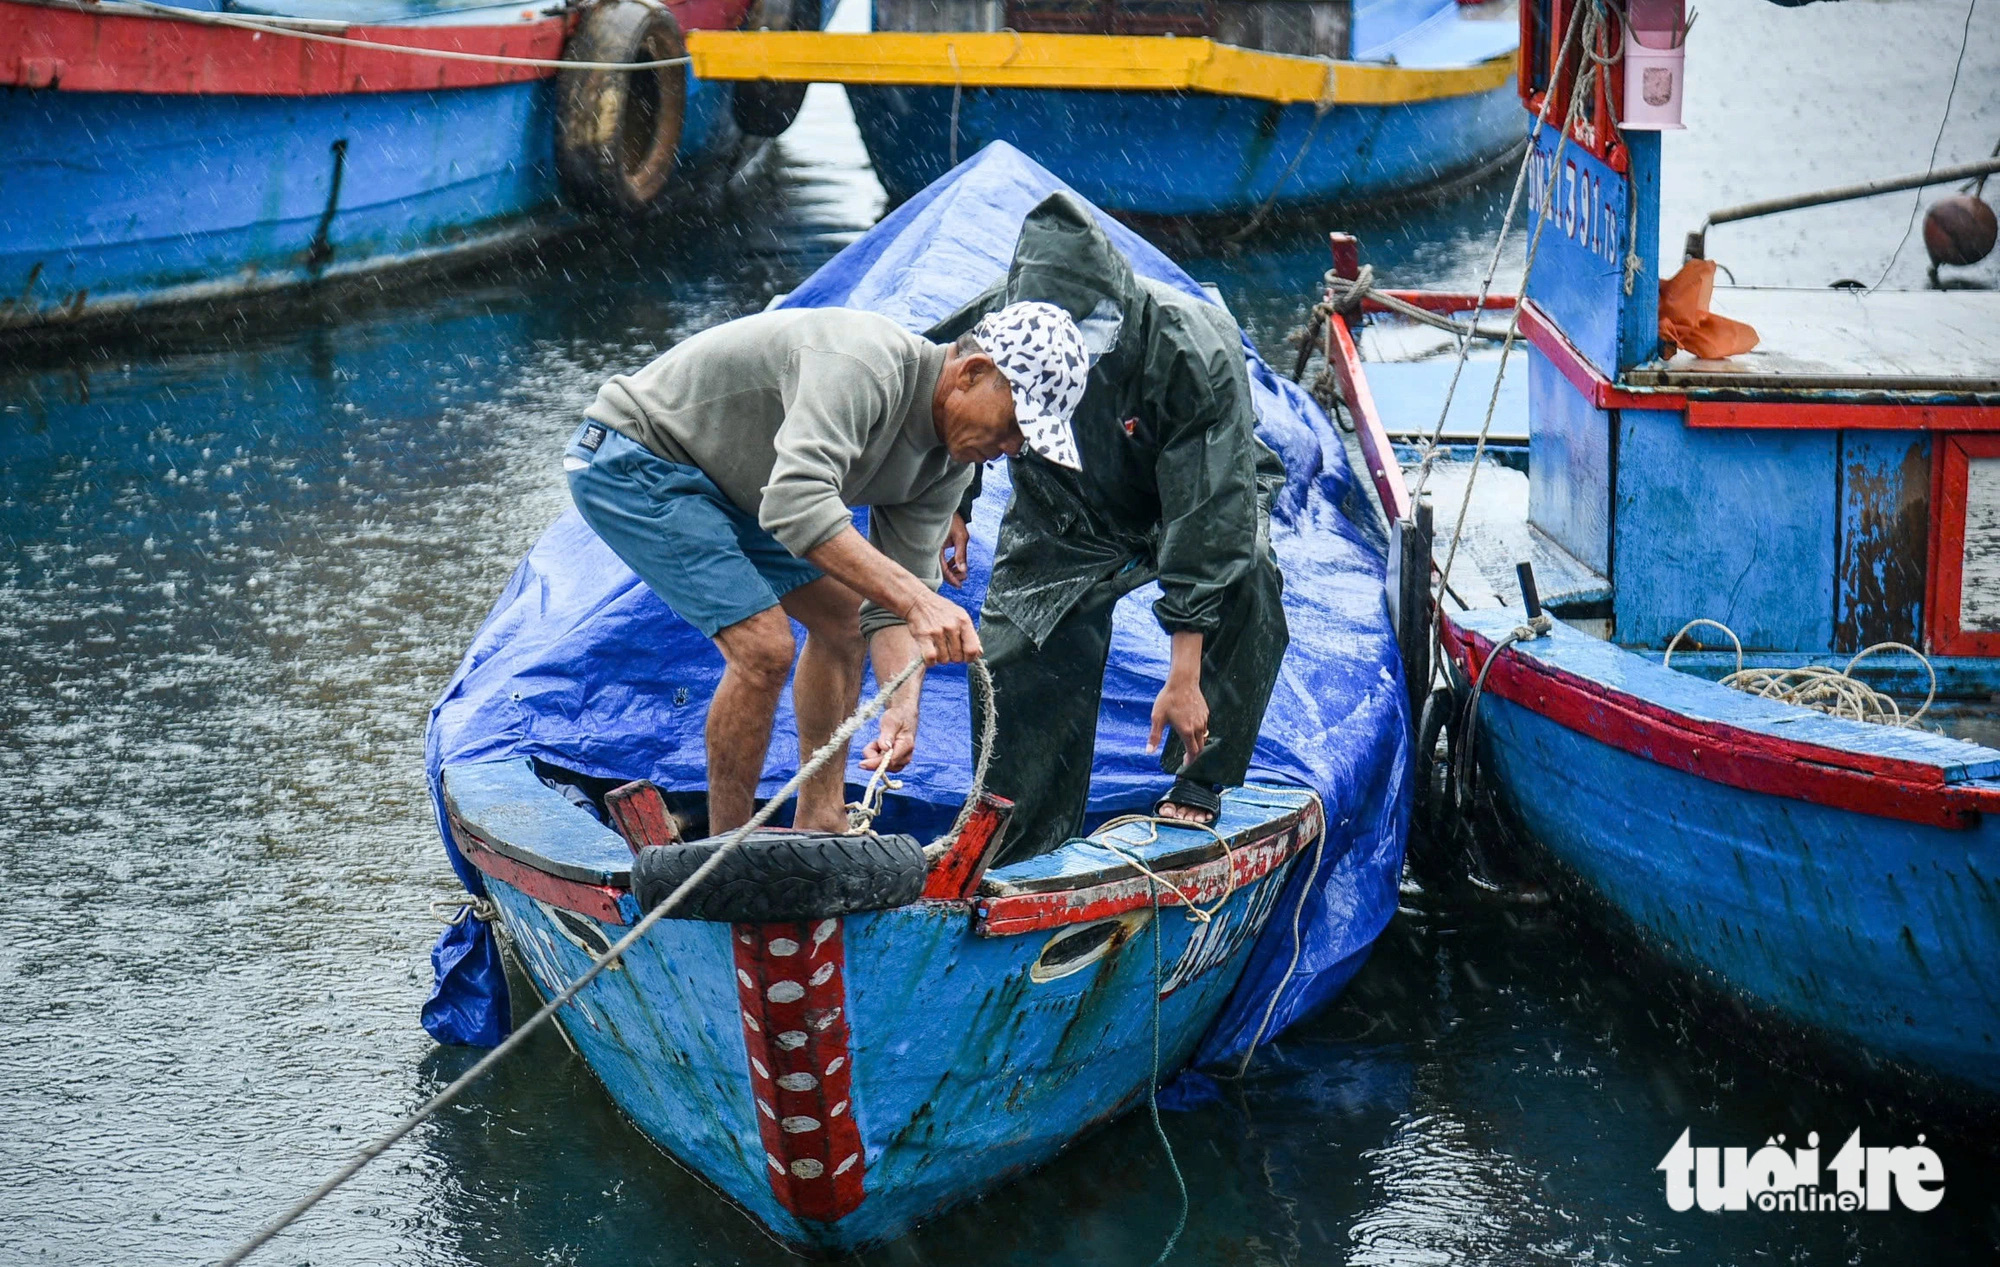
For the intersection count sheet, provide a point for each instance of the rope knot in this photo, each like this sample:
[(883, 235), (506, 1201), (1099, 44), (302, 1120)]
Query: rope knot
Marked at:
[(454, 910)]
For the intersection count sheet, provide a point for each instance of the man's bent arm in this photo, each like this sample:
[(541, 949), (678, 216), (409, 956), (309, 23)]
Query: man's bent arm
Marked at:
[(942, 632), (891, 650)]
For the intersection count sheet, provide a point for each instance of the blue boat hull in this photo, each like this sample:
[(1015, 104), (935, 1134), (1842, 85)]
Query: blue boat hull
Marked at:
[(1866, 929), (964, 1061), (1193, 155), (122, 203)]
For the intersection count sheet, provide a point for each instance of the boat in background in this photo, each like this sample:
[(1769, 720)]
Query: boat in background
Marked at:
[(1171, 108), (1832, 494), (844, 1073), (180, 160)]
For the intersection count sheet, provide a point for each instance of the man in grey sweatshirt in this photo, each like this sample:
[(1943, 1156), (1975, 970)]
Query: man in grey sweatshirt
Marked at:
[(725, 473)]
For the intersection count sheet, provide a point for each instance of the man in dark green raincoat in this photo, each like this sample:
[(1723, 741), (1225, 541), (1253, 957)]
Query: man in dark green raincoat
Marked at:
[(1174, 487)]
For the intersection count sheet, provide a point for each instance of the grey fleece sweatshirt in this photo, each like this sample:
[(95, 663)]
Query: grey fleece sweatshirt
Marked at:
[(798, 415)]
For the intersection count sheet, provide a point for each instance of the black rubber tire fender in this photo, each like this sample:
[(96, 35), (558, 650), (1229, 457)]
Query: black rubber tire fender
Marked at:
[(777, 875), (618, 133), (765, 107)]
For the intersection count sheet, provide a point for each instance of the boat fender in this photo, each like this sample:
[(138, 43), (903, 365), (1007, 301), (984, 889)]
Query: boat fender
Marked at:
[(618, 132), (777, 875), (764, 107)]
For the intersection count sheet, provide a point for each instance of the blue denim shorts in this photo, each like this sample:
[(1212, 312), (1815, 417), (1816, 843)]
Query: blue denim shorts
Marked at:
[(702, 554)]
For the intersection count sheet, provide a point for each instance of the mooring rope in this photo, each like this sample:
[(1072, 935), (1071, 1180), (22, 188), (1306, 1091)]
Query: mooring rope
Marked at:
[(1586, 25), (1500, 240), (430, 1107), (1153, 1088), (292, 32), (1819, 687)]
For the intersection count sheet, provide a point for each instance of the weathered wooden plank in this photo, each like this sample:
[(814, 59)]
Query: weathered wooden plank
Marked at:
[(1734, 526), (1569, 466), (1885, 507)]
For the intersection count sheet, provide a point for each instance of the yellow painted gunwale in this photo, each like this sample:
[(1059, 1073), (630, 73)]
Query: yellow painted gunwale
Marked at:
[(1124, 63)]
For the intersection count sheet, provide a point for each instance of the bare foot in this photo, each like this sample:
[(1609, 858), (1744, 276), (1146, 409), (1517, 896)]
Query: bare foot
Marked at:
[(1185, 814)]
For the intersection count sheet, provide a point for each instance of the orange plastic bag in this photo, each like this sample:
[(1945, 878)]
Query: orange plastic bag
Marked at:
[(1686, 322)]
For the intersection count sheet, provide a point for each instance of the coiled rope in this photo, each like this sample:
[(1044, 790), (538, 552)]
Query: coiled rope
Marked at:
[(1820, 687), (873, 707), (294, 29)]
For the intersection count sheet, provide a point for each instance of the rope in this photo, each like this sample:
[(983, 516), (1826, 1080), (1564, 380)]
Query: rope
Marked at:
[(1153, 1092), (295, 33), (1115, 845), (1819, 687), (1587, 20), (1298, 945), (479, 908), (979, 682), (1466, 773), (861, 814), (1348, 294), (1506, 228), (432, 1106), (1320, 109)]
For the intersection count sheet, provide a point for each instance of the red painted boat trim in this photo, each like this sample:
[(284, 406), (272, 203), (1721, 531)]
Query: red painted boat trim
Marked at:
[(1945, 636), (102, 52), (1544, 336), (1438, 300), (1836, 416), (1204, 883), (954, 876), (1884, 787), (1345, 358), (791, 982), (600, 902)]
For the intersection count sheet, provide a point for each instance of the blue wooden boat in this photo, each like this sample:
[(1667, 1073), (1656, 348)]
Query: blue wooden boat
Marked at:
[(1834, 489), (161, 162), (1197, 155), (843, 1078)]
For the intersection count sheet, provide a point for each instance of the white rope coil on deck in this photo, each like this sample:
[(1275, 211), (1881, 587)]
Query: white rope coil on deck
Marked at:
[(1820, 687)]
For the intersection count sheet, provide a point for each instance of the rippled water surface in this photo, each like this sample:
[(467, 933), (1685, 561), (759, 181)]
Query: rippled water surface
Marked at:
[(237, 572)]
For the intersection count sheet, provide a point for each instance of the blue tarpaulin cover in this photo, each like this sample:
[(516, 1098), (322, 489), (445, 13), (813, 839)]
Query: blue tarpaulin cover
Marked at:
[(581, 666)]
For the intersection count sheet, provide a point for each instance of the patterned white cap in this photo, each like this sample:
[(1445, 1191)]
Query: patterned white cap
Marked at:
[(1042, 354)]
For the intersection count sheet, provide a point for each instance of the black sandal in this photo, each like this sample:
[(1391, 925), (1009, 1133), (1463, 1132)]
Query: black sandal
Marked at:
[(1190, 795)]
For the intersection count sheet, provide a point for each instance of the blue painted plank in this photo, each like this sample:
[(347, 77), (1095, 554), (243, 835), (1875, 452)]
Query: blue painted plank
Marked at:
[(1244, 810), (1702, 700), (1569, 465), (1580, 258), (1166, 154), (1735, 526), (1885, 494), (507, 803), (1639, 297), (1409, 393), (1877, 932), (119, 199)]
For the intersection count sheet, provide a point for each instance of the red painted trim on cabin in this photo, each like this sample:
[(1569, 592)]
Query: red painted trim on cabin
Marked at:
[(598, 901), (791, 983), (954, 876), (1345, 358), (1950, 463), (1885, 787), (1545, 337), (1204, 883), (103, 52), (1835, 416)]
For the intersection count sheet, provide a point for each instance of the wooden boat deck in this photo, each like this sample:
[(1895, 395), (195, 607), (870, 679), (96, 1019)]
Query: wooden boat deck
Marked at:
[(1904, 341)]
